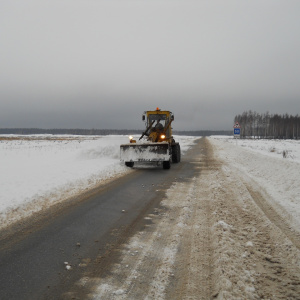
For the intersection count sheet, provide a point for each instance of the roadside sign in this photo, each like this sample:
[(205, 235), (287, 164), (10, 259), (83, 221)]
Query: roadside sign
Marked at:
[(236, 125), (236, 130)]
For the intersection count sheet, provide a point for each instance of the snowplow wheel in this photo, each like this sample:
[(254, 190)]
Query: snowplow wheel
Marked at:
[(166, 165), (176, 153), (129, 164)]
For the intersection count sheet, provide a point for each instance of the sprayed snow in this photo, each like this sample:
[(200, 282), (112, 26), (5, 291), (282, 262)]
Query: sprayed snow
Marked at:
[(145, 152)]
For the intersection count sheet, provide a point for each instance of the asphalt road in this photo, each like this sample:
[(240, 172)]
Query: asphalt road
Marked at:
[(86, 234)]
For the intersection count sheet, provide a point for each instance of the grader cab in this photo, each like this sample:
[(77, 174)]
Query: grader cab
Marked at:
[(156, 144)]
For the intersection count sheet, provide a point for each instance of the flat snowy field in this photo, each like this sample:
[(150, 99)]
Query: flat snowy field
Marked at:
[(40, 170)]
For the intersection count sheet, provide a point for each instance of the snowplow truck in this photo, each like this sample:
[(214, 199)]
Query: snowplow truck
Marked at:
[(156, 144)]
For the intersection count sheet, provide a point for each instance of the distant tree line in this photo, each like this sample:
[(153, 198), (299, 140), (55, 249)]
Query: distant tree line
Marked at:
[(26, 131), (77, 131), (265, 125), (203, 132)]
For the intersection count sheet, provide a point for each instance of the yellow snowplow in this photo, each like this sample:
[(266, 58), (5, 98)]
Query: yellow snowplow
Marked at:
[(156, 144)]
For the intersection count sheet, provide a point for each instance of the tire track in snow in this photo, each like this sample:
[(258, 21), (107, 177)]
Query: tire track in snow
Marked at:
[(280, 221), (152, 268), (193, 265)]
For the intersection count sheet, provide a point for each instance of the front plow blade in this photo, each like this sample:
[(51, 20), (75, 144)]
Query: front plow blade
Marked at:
[(147, 152)]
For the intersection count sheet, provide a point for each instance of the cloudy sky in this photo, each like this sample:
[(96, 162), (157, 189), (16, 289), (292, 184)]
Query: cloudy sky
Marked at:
[(100, 64)]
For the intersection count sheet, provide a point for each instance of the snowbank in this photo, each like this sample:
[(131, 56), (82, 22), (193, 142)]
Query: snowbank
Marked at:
[(274, 165)]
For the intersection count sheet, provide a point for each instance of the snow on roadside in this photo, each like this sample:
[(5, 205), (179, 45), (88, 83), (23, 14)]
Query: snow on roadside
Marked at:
[(263, 161), (272, 148), (38, 171)]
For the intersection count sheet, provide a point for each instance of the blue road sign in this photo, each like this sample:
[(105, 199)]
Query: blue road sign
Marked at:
[(237, 131)]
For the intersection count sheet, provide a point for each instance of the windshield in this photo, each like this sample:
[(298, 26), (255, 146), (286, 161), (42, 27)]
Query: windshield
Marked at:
[(158, 118)]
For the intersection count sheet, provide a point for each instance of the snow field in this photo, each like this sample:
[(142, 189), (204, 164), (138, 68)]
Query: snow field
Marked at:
[(272, 148)]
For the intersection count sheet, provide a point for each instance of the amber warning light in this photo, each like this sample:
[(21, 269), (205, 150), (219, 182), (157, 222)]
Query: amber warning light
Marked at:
[(131, 139)]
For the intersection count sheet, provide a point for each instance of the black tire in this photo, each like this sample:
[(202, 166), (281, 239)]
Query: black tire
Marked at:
[(179, 153), (129, 164), (166, 165), (176, 155)]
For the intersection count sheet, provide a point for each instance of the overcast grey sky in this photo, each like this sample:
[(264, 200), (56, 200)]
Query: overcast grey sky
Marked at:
[(100, 64)]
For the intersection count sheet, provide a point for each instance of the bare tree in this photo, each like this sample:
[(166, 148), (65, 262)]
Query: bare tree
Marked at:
[(265, 125)]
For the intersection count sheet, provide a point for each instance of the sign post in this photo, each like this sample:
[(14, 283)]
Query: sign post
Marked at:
[(236, 130)]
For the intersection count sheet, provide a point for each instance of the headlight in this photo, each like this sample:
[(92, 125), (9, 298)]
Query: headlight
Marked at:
[(131, 139), (162, 136)]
